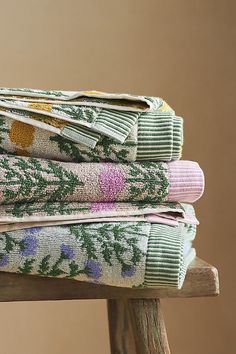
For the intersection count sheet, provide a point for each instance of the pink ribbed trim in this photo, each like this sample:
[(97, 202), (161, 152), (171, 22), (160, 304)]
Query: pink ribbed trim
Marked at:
[(186, 181)]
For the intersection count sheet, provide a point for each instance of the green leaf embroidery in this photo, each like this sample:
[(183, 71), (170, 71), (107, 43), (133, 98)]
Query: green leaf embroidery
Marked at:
[(105, 243), (44, 265), (74, 270), (24, 178), (27, 267), (40, 92), (148, 179), (3, 133), (10, 242), (114, 240), (105, 150), (49, 208), (55, 270), (87, 114), (83, 235)]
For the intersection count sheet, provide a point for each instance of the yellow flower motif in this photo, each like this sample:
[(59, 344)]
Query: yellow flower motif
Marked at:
[(57, 123), (165, 107), (41, 106), (21, 134), (93, 92), (21, 152)]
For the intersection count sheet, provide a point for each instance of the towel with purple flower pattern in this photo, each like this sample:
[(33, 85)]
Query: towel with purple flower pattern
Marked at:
[(125, 254)]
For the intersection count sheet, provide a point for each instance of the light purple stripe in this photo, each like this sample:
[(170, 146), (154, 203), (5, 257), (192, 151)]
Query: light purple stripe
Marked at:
[(186, 181)]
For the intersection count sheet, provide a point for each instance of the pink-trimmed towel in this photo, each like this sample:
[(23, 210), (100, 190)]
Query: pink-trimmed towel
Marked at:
[(24, 179)]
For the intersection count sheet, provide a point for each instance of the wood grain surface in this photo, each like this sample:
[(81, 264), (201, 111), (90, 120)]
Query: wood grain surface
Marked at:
[(136, 326), (201, 280)]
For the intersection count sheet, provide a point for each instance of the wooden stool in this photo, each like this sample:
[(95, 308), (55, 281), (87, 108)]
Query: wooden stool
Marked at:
[(135, 318)]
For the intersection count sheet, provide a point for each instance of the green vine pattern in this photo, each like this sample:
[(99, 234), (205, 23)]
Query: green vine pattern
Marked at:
[(148, 179), (3, 133), (171, 205), (10, 242), (105, 150), (24, 180), (88, 114), (34, 91), (115, 245), (87, 249), (20, 210)]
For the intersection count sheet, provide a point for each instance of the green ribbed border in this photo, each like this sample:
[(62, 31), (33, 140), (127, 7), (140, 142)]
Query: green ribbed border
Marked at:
[(165, 263), (80, 135), (116, 124), (160, 137)]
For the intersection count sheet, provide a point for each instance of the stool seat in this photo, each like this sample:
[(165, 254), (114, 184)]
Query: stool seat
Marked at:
[(201, 280), (136, 322)]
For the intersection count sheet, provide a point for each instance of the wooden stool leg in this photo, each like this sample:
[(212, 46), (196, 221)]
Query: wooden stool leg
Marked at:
[(148, 326), (121, 336), (137, 327)]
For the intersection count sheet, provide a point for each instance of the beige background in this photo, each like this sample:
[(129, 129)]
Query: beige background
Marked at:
[(181, 50)]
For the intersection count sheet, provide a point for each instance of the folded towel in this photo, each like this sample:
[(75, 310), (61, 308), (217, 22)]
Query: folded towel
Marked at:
[(26, 215), (88, 126), (126, 254), (82, 194), (24, 179)]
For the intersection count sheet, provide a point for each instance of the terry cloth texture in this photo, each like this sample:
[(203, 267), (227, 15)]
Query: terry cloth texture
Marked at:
[(26, 215), (127, 254), (88, 126), (24, 179), (89, 189)]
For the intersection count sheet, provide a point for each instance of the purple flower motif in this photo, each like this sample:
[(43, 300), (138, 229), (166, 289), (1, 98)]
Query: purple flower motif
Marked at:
[(111, 181), (128, 271), (33, 230), (93, 268), (4, 260), (67, 251), (28, 246), (102, 206)]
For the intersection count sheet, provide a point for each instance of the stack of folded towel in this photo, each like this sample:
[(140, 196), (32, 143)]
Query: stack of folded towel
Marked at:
[(91, 188)]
